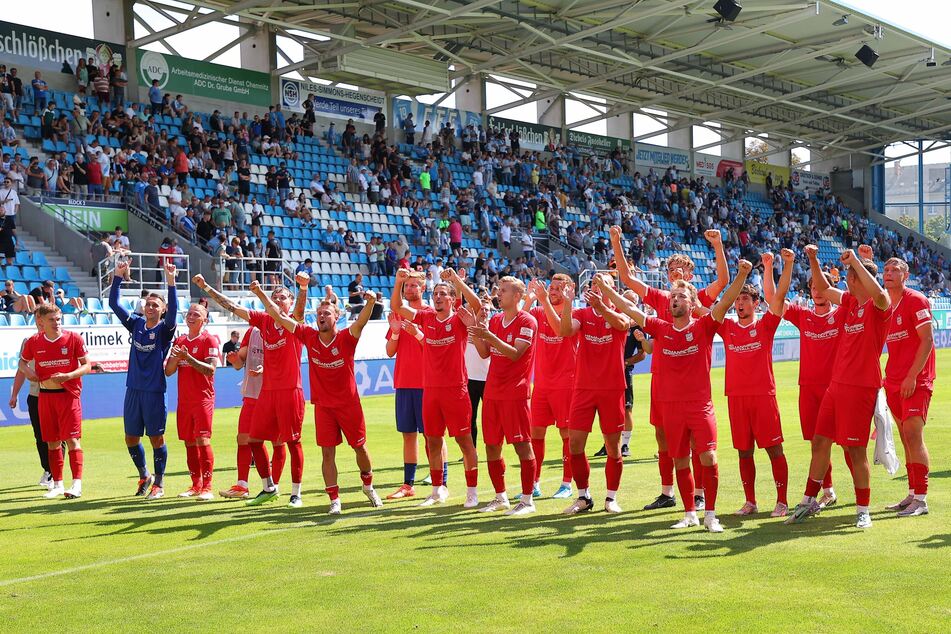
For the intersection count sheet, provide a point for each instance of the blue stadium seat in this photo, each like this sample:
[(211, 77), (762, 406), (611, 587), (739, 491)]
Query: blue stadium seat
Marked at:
[(17, 320), (61, 274)]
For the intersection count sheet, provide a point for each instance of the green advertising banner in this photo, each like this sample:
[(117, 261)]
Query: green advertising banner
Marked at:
[(77, 214), (204, 79), (35, 49), (597, 143)]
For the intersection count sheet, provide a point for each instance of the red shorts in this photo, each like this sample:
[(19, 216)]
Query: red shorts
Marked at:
[(447, 408), (810, 398), (689, 420), (845, 414), (246, 415), (278, 415), (505, 420), (194, 419), (609, 405), (61, 416), (904, 408), (333, 423), (551, 406), (754, 419), (656, 417)]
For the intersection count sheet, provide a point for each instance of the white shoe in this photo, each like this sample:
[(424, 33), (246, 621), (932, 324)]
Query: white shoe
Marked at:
[(863, 520), (375, 500), (205, 495), (295, 502), (45, 481), (472, 500), (55, 491), (611, 506), (712, 524), (522, 508), (497, 504), (74, 492), (334, 507), (439, 496), (687, 522)]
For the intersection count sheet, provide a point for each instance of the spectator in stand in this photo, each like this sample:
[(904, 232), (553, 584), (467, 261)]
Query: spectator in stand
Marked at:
[(14, 302), (233, 254), (92, 170), (16, 84), (118, 80), (355, 294), (232, 345), (307, 266), (155, 97), (505, 232), (35, 178), (101, 87), (455, 236), (8, 135), (335, 241), (274, 254), (9, 204), (47, 119), (41, 92), (409, 129)]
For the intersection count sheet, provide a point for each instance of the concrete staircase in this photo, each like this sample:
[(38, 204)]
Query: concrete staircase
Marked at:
[(87, 284)]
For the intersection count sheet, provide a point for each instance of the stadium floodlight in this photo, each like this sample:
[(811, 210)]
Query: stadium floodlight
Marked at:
[(728, 9), (841, 21), (930, 60), (867, 55)]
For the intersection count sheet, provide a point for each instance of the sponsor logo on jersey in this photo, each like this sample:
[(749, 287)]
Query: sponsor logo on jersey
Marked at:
[(924, 313), (445, 341), (549, 338), (276, 345), (682, 353), (853, 329), (821, 336), (749, 347), (600, 341), (328, 365), (526, 332)]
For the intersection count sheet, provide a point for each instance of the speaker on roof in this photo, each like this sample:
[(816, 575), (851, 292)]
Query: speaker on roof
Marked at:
[(867, 55), (728, 9)]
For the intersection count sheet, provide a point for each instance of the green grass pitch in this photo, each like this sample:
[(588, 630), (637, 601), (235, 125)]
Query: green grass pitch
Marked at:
[(111, 562)]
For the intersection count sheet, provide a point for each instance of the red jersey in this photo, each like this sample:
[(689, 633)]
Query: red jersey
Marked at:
[(659, 300), (863, 335), (683, 358), (332, 382), (444, 348), (282, 352), (58, 356), (193, 386), (819, 337), (555, 356), (507, 379), (600, 364), (911, 312), (408, 373), (749, 356)]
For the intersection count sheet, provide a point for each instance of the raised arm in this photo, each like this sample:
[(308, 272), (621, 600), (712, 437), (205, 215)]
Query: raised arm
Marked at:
[(822, 287), (285, 321), (732, 292), (171, 308), (122, 269), (396, 299), (538, 291), (303, 283), (620, 302), (878, 294), (369, 300), (777, 305), (463, 289), (396, 329), (615, 319), (227, 304), (620, 261), (568, 325), (769, 282), (723, 273)]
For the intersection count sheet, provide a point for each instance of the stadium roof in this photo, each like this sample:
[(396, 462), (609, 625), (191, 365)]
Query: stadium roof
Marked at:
[(783, 67)]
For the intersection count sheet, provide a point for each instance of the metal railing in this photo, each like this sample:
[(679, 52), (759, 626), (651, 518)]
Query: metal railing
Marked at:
[(655, 279), (145, 273), (271, 273)]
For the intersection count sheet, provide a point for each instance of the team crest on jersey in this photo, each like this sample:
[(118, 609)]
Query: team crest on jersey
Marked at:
[(334, 352), (689, 336), (898, 320), (753, 333), (831, 320), (861, 312), (62, 350), (509, 338), (448, 328), (194, 350), (152, 336)]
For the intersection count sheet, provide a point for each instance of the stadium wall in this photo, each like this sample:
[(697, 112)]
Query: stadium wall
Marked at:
[(374, 375)]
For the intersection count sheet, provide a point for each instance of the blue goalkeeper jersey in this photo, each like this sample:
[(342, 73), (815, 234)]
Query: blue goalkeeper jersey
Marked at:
[(149, 345)]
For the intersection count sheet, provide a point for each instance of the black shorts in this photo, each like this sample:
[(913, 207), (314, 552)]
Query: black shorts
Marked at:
[(629, 391), (272, 267)]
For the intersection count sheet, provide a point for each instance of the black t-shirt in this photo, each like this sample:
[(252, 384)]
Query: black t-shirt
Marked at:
[(283, 179), (631, 347), (244, 185), (355, 290), (205, 229), (270, 180), (272, 249)]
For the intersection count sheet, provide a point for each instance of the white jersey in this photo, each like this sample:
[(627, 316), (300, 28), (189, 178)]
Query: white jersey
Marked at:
[(251, 385), (477, 368)]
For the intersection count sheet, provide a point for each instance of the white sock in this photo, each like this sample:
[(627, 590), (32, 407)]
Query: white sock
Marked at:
[(829, 491), (269, 485), (503, 496), (861, 509), (691, 515), (699, 492), (806, 500), (709, 514), (77, 485), (368, 487), (57, 484), (626, 437), (472, 490), (243, 483), (295, 488), (921, 497), (583, 493), (612, 495), (667, 490), (528, 500)]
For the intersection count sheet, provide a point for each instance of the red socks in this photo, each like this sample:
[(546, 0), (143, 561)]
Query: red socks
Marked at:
[(581, 469), (685, 486), (206, 460), (366, 478), (538, 448), (56, 464), (917, 478), (333, 492), (194, 466), (261, 460), (76, 463), (812, 487), (277, 462), (665, 464), (472, 477), (566, 473), (780, 477), (711, 481), (244, 462), (697, 469), (612, 473), (436, 476), (497, 474), (748, 477), (827, 480), (528, 469), (297, 461), (862, 496)]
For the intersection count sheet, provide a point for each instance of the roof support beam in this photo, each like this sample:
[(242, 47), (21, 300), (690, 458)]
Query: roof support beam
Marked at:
[(192, 23)]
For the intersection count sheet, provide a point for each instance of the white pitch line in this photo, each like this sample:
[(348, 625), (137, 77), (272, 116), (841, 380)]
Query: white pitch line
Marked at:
[(169, 551)]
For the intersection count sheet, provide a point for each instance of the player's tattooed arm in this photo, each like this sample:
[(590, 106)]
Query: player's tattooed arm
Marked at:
[(777, 303), (715, 239), (620, 302), (819, 281), (303, 283), (285, 321), (620, 261), (226, 303), (878, 294), (396, 300), (769, 282), (733, 291)]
